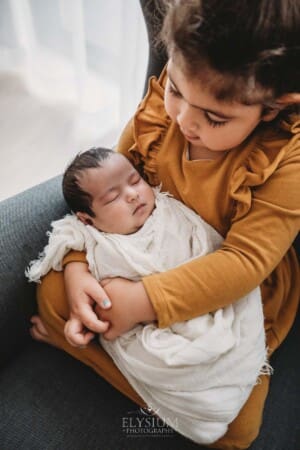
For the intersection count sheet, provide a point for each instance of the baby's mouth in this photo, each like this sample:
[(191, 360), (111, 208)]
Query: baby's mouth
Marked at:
[(140, 206)]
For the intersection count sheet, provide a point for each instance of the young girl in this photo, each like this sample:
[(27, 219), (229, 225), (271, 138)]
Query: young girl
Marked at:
[(220, 132)]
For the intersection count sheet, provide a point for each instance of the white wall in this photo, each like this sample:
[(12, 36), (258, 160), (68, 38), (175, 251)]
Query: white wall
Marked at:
[(71, 75)]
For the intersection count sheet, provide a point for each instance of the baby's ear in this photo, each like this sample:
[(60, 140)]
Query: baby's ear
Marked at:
[(84, 217)]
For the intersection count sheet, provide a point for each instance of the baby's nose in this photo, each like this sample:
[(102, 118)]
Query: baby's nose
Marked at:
[(132, 194)]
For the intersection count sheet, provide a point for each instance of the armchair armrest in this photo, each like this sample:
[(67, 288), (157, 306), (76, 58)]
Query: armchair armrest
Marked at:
[(24, 220)]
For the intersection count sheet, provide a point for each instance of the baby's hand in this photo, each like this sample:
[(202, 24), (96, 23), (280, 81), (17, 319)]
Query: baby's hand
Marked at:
[(83, 292), (130, 306)]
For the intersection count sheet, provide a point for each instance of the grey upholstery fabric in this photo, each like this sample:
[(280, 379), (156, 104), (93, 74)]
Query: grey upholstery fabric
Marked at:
[(49, 401), (24, 220)]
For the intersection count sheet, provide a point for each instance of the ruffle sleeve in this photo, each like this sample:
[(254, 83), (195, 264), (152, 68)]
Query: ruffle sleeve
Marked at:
[(266, 155), (151, 123)]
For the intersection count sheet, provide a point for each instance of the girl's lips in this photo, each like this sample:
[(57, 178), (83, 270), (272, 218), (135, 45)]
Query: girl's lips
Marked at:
[(191, 138)]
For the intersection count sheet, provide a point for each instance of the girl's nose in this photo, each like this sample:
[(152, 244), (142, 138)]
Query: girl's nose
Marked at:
[(185, 120)]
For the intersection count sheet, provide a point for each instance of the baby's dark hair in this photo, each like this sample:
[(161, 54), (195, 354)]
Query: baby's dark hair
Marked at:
[(251, 46), (77, 199)]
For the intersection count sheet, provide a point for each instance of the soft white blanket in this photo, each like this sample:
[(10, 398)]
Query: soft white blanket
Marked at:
[(196, 375)]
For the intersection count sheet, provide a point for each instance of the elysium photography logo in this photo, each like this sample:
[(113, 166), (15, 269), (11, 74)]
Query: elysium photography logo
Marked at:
[(145, 422)]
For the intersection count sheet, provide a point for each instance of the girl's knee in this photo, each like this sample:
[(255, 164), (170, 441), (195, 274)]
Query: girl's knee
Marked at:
[(239, 441)]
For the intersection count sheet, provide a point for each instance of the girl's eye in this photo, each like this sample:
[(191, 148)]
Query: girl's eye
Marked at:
[(214, 123), (172, 90)]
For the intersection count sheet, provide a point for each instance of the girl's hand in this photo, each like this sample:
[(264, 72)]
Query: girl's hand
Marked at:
[(130, 306), (83, 292)]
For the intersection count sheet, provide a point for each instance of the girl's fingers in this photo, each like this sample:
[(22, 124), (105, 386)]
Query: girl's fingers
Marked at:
[(98, 294), (79, 336), (75, 333), (106, 303), (90, 320)]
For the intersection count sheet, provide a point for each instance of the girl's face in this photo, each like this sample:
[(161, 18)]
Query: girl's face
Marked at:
[(208, 123)]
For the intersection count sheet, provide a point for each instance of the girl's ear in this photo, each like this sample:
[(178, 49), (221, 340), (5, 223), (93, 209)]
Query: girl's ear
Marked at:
[(289, 99), (270, 113), (281, 103), (84, 217)]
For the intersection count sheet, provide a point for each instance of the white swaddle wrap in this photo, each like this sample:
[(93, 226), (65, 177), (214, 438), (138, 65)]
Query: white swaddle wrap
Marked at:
[(196, 375)]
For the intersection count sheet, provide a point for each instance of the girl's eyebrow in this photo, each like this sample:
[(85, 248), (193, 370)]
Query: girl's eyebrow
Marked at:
[(211, 111)]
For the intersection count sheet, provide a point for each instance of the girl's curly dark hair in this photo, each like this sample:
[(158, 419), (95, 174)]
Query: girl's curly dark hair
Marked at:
[(251, 46)]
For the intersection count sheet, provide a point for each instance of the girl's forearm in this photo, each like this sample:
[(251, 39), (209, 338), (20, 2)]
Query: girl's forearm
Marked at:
[(145, 309)]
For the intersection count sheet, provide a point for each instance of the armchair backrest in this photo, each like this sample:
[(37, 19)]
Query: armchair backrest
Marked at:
[(157, 56), (24, 221)]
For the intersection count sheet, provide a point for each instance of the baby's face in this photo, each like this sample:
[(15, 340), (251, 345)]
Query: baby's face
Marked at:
[(122, 200)]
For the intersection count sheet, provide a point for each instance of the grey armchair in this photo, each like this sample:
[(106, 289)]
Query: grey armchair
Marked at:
[(49, 401)]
